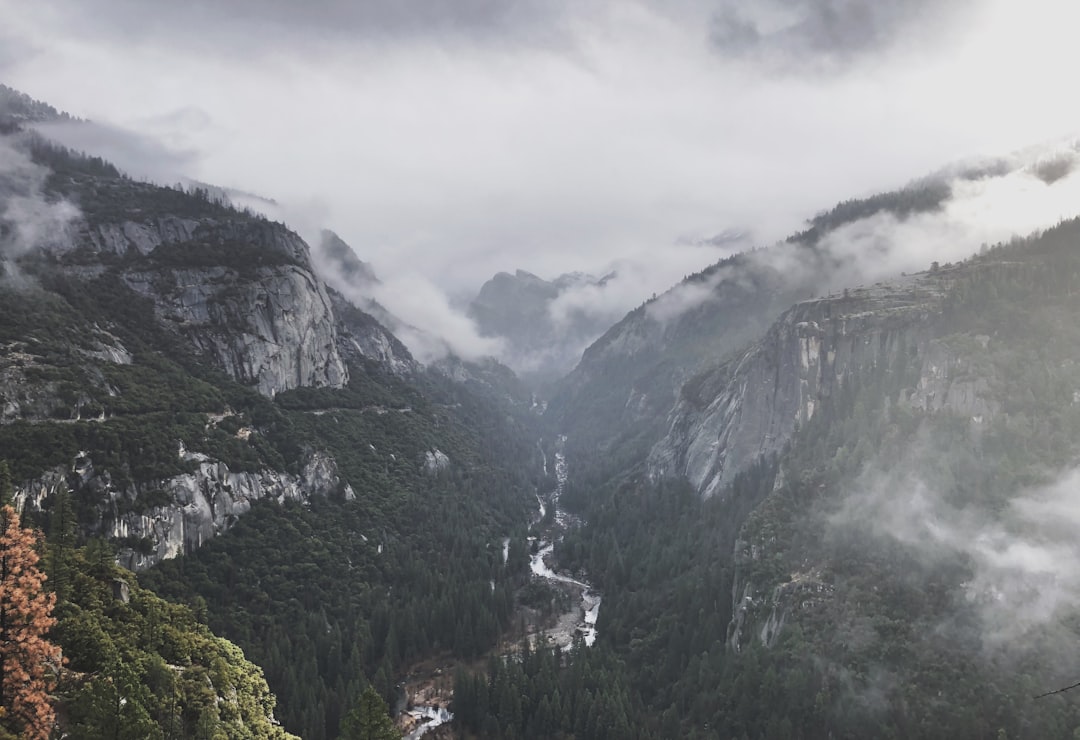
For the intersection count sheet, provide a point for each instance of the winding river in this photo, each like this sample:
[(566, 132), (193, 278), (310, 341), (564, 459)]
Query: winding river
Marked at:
[(582, 618)]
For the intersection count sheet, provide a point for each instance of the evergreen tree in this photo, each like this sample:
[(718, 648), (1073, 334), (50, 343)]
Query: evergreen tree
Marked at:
[(6, 489), (369, 719), (25, 619), (62, 534)]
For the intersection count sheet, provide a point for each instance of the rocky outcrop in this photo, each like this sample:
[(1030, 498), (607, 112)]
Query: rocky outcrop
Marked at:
[(728, 418), (362, 337), (162, 519), (142, 237), (273, 328), (30, 390), (435, 461), (240, 288), (758, 611)]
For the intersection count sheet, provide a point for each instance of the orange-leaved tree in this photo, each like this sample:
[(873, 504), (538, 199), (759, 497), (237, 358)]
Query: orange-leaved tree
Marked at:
[(27, 658)]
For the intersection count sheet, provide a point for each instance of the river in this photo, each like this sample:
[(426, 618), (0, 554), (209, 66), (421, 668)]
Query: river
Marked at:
[(582, 618)]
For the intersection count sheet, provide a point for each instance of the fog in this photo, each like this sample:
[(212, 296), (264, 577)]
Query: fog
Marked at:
[(448, 142), (1018, 195), (27, 218), (1023, 559)]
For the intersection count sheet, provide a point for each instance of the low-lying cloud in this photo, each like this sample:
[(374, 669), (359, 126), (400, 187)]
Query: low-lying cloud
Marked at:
[(430, 328), (138, 155), (28, 219), (1024, 560), (1017, 196)]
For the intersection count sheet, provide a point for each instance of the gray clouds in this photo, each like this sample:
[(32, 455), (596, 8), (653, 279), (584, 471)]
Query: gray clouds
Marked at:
[(137, 155), (791, 33), (241, 26), (547, 137), (1020, 194), (793, 29)]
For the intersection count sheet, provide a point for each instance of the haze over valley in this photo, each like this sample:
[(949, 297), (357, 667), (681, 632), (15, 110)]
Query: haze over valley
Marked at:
[(527, 370)]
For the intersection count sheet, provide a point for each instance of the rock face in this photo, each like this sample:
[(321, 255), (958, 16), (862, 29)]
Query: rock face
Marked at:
[(141, 237), (242, 290), (362, 337), (273, 329), (728, 418), (435, 461), (162, 519), (617, 399)]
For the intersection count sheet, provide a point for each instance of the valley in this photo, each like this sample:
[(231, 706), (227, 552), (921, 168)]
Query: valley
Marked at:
[(824, 488)]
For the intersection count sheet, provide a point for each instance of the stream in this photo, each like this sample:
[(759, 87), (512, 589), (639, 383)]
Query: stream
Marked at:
[(431, 718), (582, 618)]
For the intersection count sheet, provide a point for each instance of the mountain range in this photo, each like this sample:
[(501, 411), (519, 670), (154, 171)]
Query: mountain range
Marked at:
[(826, 487)]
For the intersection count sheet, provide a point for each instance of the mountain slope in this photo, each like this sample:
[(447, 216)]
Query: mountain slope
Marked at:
[(898, 558), (178, 367)]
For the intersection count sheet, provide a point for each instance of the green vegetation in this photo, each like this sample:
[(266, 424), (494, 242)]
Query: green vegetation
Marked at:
[(882, 634), (332, 594), (547, 694), (140, 667)]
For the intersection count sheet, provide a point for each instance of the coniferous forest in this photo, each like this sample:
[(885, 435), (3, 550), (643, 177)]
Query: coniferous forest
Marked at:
[(235, 505)]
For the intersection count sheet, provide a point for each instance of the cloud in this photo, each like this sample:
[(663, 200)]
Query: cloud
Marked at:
[(139, 155), (984, 210), (688, 296), (426, 322), (1024, 561), (456, 140), (235, 27), (28, 219), (828, 33)]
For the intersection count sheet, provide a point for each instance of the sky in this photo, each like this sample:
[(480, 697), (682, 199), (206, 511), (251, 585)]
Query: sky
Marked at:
[(448, 141)]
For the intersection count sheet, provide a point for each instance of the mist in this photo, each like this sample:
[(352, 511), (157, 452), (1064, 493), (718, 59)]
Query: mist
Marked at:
[(448, 144), (1020, 194), (28, 219), (1023, 560)]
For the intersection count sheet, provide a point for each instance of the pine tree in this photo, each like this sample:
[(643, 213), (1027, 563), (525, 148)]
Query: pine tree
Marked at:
[(61, 541), (370, 719), (25, 619), (6, 488)]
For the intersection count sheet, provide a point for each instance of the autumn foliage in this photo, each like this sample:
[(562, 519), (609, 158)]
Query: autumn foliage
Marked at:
[(27, 658)]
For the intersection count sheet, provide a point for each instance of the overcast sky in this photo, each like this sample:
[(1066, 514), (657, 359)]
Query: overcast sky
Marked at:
[(453, 139)]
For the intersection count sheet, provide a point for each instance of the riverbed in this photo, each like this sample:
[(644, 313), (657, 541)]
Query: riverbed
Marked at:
[(581, 619)]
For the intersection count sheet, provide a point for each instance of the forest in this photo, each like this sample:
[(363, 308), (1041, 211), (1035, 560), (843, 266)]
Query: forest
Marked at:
[(811, 598)]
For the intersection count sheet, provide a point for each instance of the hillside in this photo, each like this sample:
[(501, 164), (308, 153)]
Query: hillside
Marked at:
[(802, 494), (179, 368), (883, 549)]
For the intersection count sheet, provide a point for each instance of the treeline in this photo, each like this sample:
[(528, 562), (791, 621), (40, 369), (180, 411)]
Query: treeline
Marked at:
[(544, 693)]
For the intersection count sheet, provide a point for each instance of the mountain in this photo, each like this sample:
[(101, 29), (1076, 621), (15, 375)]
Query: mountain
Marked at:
[(345, 266), (820, 490), (543, 337), (622, 398), (882, 549), (18, 108), (178, 368)]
